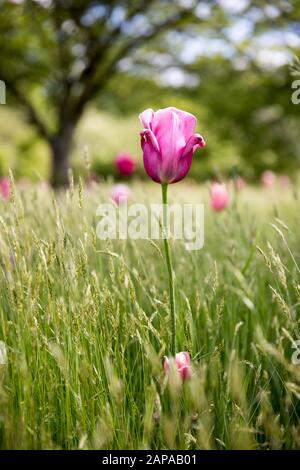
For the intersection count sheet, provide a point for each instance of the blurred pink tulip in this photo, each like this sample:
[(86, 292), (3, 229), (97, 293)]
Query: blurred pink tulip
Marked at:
[(284, 181), (125, 164), (183, 364), (239, 183), (44, 186), (268, 179), (120, 193), (168, 142), (4, 187), (219, 196)]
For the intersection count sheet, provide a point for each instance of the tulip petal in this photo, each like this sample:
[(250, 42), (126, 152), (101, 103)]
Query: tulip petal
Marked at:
[(183, 168), (168, 130), (146, 118), (166, 364), (182, 359), (147, 136), (151, 153), (193, 143), (185, 372), (189, 121), (185, 161)]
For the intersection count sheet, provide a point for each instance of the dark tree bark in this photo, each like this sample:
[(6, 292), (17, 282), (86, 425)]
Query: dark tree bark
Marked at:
[(60, 152)]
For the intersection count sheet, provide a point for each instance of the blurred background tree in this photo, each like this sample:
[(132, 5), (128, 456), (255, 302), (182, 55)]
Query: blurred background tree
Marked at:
[(226, 61)]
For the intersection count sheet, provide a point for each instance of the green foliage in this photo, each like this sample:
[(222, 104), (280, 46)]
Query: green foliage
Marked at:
[(21, 148)]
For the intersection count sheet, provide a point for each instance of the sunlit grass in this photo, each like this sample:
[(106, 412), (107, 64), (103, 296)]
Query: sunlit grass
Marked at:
[(86, 326)]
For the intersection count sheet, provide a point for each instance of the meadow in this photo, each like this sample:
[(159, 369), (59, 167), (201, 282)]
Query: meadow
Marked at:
[(84, 325)]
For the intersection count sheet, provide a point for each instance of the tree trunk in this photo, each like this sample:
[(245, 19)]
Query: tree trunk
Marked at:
[(60, 149)]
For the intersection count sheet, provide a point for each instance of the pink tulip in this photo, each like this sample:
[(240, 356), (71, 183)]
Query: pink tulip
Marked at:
[(120, 193), (268, 178), (168, 142), (183, 364), (239, 183), (125, 164), (4, 187), (219, 196)]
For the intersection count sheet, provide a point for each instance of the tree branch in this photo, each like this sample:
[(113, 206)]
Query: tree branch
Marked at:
[(97, 81), (33, 116), (99, 45), (103, 46)]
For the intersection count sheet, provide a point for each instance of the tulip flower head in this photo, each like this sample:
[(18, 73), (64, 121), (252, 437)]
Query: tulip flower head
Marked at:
[(219, 196), (125, 164), (4, 187), (268, 179), (168, 141), (182, 363), (120, 194)]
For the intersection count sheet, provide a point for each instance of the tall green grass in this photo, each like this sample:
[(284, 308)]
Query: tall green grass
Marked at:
[(85, 324)]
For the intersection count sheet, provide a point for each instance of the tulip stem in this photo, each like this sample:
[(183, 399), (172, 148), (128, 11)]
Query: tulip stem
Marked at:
[(164, 188)]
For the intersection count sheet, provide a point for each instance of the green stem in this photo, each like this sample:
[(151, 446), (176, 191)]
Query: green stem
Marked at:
[(164, 188)]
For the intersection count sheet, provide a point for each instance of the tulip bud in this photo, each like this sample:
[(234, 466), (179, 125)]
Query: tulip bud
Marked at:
[(168, 143), (125, 164), (182, 362), (4, 187), (219, 196), (268, 179), (120, 193)]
